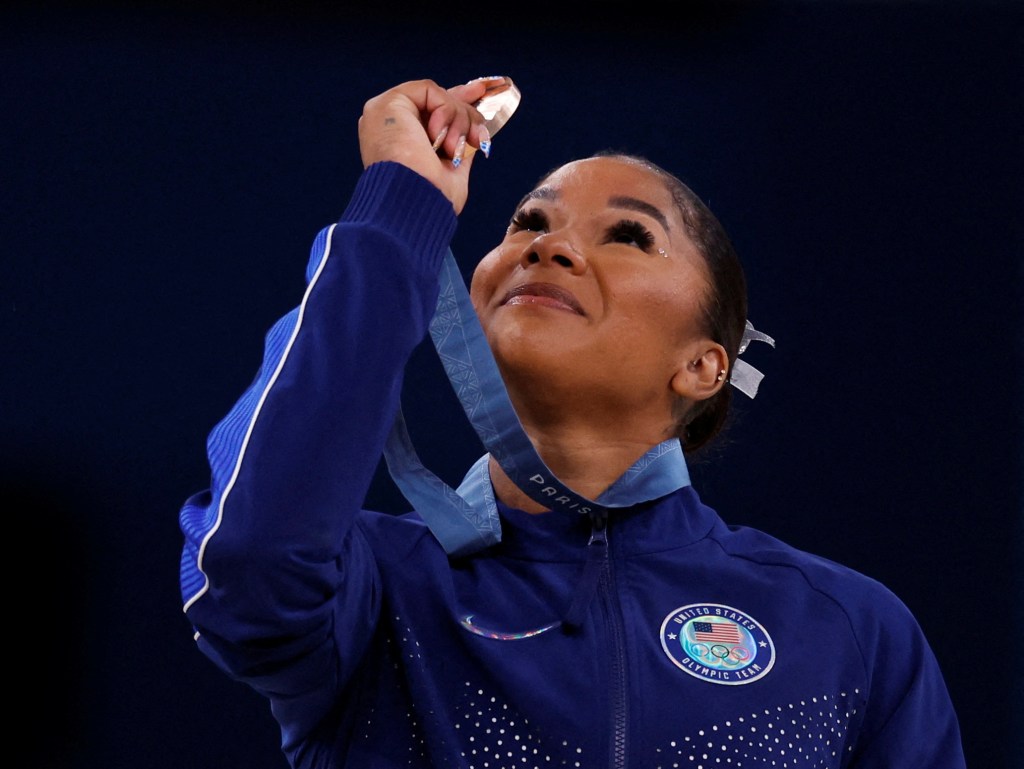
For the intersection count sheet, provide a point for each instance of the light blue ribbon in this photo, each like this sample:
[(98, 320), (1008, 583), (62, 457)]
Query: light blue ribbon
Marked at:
[(466, 520)]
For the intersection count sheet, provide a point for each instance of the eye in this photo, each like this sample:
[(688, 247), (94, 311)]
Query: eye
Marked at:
[(532, 220), (630, 232)]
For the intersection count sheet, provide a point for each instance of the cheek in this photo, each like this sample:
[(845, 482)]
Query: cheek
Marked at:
[(667, 309), (486, 279)]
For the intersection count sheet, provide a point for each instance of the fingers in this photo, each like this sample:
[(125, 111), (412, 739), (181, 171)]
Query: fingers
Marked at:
[(457, 140), (432, 130), (474, 89), (454, 125), (421, 112)]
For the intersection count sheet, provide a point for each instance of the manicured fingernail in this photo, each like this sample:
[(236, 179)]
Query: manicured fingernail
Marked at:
[(485, 141), (440, 138), (460, 151)]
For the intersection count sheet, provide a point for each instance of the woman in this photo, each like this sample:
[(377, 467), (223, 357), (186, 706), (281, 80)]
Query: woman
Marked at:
[(646, 633)]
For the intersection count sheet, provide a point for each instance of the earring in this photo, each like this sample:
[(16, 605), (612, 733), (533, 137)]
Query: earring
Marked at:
[(721, 376), (663, 252)]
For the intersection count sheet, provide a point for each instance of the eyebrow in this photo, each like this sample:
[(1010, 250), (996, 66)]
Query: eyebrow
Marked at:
[(544, 193), (642, 206), (621, 201)]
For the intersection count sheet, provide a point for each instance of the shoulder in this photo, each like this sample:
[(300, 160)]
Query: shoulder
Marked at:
[(872, 608), (833, 623), (394, 538)]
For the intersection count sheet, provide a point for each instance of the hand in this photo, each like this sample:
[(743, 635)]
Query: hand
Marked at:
[(432, 130)]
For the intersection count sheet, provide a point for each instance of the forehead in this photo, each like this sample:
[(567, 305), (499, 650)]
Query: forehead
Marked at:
[(604, 181)]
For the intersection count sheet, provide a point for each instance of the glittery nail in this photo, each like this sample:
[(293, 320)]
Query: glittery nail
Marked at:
[(485, 141), (440, 138), (460, 151)]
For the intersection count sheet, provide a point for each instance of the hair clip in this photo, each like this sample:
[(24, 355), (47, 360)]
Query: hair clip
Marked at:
[(745, 377)]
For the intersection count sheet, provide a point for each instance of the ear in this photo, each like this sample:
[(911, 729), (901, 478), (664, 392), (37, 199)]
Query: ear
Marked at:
[(703, 373)]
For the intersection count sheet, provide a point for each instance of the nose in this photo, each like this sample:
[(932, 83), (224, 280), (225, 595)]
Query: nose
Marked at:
[(556, 249)]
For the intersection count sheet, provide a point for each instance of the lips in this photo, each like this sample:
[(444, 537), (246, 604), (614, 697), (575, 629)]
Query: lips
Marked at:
[(544, 294)]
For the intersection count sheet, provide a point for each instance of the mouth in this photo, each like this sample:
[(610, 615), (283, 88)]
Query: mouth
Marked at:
[(545, 295)]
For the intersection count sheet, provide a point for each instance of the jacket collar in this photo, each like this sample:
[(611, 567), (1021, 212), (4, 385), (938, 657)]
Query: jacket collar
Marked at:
[(675, 520)]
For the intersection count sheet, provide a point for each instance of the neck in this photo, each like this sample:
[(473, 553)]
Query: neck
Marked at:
[(588, 439), (587, 466)]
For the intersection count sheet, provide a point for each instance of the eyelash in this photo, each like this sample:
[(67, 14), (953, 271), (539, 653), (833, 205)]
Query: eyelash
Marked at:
[(624, 231), (634, 231), (531, 219)]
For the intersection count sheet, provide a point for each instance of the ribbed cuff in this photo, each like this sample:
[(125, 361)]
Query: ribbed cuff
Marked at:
[(392, 198)]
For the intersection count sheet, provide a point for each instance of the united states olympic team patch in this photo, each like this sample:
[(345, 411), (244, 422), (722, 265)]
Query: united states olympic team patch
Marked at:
[(717, 643)]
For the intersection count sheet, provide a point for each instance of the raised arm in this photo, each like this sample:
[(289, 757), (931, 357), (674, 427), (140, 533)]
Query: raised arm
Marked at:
[(276, 581)]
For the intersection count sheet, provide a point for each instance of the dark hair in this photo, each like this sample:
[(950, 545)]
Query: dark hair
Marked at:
[(724, 307)]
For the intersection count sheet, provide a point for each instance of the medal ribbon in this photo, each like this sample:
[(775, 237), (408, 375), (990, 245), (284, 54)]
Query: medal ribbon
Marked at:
[(466, 520)]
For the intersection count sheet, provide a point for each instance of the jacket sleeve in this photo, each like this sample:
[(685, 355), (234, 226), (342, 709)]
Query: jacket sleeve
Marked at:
[(279, 586), (909, 721)]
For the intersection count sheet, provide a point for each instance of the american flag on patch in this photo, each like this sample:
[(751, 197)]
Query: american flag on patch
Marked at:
[(716, 632)]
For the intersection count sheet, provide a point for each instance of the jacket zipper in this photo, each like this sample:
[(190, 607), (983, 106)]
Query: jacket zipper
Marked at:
[(618, 680), (597, 578)]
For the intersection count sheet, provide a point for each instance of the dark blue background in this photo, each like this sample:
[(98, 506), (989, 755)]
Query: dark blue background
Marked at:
[(163, 173)]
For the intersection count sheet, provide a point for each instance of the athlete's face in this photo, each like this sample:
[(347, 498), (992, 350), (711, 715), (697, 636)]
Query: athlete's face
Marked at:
[(595, 278)]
